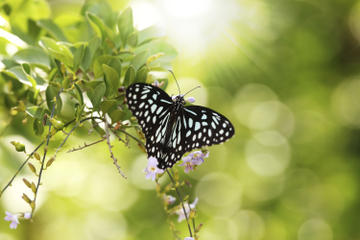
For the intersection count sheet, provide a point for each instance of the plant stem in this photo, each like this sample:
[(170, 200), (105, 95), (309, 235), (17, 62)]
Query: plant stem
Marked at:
[(21, 167), (181, 200)]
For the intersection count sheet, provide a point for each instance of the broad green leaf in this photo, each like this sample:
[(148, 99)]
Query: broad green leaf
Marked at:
[(125, 25), (52, 28), (101, 9), (95, 94), (108, 106), (99, 27), (58, 50), (90, 51), (79, 53), (112, 61), (32, 55), (129, 76), (140, 60), (52, 97), (112, 80), (116, 115), (18, 72), (149, 34), (35, 112), (141, 74)]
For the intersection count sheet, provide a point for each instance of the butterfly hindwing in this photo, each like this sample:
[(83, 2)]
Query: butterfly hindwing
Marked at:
[(204, 127)]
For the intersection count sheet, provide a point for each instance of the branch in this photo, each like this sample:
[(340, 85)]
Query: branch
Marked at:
[(44, 156), (85, 145), (110, 149), (21, 167)]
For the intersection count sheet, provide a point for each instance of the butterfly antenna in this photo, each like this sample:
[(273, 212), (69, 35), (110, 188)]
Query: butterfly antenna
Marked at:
[(191, 90), (172, 73)]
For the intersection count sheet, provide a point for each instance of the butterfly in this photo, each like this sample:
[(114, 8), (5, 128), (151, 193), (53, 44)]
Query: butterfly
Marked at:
[(171, 128)]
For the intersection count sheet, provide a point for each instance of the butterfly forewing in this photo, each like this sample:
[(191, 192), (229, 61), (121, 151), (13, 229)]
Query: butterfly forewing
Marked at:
[(170, 128), (204, 127), (148, 104)]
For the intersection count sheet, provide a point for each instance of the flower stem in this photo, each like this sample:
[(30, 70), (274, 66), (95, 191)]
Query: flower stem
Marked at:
[(181, 200)]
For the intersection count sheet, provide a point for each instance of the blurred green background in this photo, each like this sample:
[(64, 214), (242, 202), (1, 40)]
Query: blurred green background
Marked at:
[(286, 73)]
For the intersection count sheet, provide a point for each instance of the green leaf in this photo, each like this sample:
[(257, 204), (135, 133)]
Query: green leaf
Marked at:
[(35, 112), (99, 27), (32, 55), (95, 94), (141, 74), (79, 53), (125, 25), (38, 127), (108, 106), (52, 97), (129, 76), (78, 94), (52, 29), (140, 59), (89, 54), (18, 72), (149, 34), (112, 80), (58, 50), (112, 61)]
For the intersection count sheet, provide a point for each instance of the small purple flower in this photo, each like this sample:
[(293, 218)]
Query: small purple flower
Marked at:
[(189, 238), (193, 159), (156, 83), (27, 215), (190, 99), (169, 199), (188, 208), (151, 170), (13, 219)]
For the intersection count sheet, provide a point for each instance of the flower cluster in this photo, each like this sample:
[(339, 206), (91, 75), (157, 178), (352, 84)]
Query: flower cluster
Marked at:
[(193, 159)]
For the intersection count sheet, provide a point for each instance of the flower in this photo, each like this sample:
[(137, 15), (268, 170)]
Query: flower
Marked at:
[(169, 199), (156, 83), (188, 208), (189, 238), (27, 215), (190, 99), (193, 159), (151, 170), (13, 218)]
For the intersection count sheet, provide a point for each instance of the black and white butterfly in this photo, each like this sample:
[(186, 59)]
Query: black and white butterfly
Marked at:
[(172, 129)]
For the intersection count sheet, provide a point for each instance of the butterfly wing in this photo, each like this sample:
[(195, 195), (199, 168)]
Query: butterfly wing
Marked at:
[(204, 127), (152, 108), (148, 104)]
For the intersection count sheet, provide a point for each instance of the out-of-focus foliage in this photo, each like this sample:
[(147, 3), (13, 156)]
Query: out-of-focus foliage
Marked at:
[(285, 72)]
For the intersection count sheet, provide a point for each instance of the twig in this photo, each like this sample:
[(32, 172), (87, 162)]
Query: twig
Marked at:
[(44, 156), (181, 200), (119, 138), (21, 167), (110, 149), (66, 138), (85, 145), (133, 137)]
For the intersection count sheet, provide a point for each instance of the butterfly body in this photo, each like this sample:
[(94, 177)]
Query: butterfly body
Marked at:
[(171, 128)]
